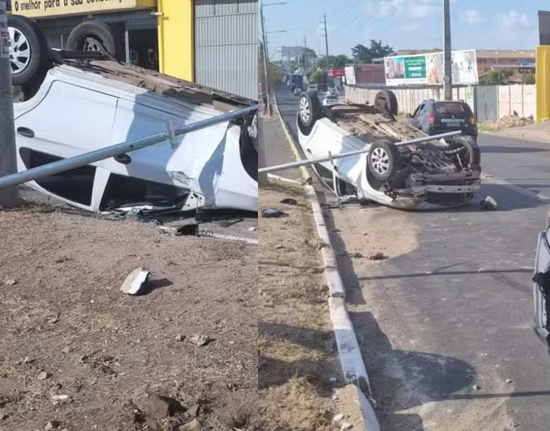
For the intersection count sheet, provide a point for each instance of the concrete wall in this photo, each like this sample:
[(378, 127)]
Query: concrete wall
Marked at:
[(489, 103)]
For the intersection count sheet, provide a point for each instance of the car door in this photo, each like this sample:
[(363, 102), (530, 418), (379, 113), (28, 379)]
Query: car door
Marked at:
[(415, 119), (65, 120)]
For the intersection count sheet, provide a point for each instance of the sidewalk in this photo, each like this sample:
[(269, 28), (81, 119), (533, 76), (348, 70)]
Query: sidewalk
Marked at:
[(277, 148)]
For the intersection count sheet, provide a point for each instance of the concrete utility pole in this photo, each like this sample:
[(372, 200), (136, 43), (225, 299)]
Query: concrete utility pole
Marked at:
[(266, 56), (447, 51), (9, 197), (326, 40)]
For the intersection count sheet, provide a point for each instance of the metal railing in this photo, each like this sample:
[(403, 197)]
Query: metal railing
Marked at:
[(118, 149), (331, 157)]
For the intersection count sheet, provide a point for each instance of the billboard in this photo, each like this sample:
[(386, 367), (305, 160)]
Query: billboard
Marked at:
[(335, 73), (349, 73), (429, 69), (50, 8)]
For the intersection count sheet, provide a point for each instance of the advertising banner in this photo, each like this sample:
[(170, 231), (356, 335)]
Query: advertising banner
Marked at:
[(50, 8), (428, 69), (349, 73)]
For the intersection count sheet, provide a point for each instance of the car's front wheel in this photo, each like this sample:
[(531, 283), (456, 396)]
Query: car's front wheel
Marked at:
[(29, 51), (384, 160)]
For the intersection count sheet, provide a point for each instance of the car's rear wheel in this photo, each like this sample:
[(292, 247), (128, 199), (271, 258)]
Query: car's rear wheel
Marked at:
[(309, 109), (29, 51), (469, 144), (92, 36), (384, 160), (386, 101)]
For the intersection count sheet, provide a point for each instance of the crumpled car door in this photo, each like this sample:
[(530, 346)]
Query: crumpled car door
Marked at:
[(541, 287)]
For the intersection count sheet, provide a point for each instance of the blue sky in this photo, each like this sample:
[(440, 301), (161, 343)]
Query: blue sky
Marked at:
[(403, 24)]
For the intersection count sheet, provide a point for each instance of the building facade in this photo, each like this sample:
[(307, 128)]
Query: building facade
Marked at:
[(213, 43)]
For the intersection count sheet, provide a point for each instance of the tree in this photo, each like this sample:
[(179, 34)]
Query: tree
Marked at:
[(496, 77), (528, 78), (364, 54), (274, 72)]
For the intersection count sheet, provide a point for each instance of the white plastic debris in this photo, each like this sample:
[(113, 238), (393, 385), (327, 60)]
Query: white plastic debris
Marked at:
[(338, 417), (135, 281), (346, 426)]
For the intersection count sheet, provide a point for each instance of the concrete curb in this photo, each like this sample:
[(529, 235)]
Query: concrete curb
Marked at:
[(349, 353), (305, 174)]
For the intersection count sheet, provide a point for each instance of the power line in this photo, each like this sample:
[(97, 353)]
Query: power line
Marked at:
[(384, 2)]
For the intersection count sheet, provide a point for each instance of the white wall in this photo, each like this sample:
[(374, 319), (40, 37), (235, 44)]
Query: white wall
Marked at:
[(502, 100)]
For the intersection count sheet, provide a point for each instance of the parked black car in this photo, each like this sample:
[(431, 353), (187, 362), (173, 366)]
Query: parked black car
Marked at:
[(434, 117)]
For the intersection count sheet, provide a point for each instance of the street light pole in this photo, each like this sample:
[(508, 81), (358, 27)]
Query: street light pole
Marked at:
[(448, 78), (265, 55), (9, 197)]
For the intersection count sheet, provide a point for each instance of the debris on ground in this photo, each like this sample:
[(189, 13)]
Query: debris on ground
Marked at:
[(289, 201), (488, 204), (252, 229), (135, 282), (43, 375), (200, 340), (506, 122), (10, 282), (338, 418), (476, 388), (272, 213), (154, 406), (52, 425), (377, 256), (229, 223)]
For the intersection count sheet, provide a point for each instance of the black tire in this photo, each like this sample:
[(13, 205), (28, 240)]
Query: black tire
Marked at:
[(384, 160), (92, 36), (309, 108), (386, 101), (28, 69), (471, 146)]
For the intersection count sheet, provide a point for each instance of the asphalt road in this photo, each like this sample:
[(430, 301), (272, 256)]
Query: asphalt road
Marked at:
[(465, 297)]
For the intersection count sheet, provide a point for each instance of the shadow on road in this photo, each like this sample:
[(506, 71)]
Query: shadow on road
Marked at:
[(500, 149)]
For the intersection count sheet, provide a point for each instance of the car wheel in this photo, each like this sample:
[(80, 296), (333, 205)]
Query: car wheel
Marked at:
[(309, 108), (386, 101), (471, 146), (384, 160), (29, 51), (92, 36)]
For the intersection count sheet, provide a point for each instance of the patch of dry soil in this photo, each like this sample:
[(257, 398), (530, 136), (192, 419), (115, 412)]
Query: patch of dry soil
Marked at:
[(297, 366), (81, 355)]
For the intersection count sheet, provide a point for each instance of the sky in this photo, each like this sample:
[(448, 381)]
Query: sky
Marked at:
[(402, 24)]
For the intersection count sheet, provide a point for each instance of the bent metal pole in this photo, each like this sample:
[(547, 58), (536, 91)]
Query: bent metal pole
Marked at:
[(116, 150), (330, 157), (9, 197)]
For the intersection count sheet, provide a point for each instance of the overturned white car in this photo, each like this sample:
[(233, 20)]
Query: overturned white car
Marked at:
[(541, 286), (71, 107), (424, 175)]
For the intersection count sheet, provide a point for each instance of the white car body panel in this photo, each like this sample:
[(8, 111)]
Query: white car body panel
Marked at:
[(542, 266), (75, 112)]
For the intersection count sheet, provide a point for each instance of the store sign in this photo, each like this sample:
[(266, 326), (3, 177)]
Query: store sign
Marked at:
[(429, 69), (350, 75), (51, 8), (333, 73)]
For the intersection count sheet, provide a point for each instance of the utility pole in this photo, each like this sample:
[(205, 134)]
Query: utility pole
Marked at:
[(9, 197), (448, 78), (266, 69), (326, 39)]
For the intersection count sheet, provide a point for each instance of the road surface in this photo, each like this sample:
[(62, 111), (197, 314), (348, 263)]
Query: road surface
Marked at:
[(446, 328)]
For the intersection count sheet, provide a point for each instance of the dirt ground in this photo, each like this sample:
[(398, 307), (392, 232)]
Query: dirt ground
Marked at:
[(297, 365), (539, 132), (78, 354)]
